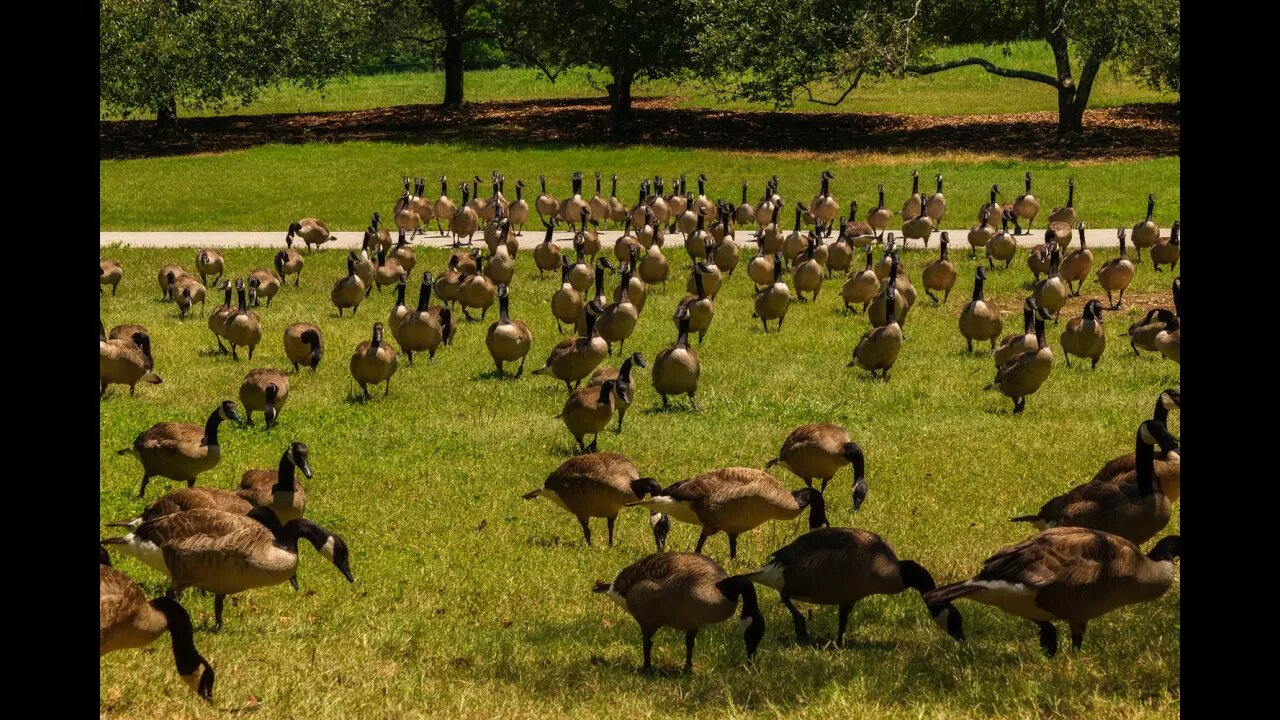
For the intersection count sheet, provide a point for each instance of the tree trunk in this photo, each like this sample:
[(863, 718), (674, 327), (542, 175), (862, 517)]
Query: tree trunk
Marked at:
[(620, 117), (453, 69), (167, 116)]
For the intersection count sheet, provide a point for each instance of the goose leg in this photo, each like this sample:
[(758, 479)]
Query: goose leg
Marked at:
[(694, 403), (410, 354), (1048, 638), (621, 414), (844, 622), (293, 580), (648, 652), (520, 370), (217, 611), (586, 528), (702, 540), (802, 632), (823, 490), (142, 490), (104, 392), (932, 297), (733, 546), (690, 637), (609, 521), (388, 390), (1077, 634), (970, 342)]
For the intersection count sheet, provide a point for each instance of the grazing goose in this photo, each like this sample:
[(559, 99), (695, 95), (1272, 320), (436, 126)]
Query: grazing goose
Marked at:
[(242, 326), (622, 377), (262, 284), (507, 340), (1077, 266), (940, 275), (312, 232), (1085, 336), (676, 369), (188, 499), (879, 216), (684, 591), (126, 332), (225, 554), (279, 489), (979, 319), (860, 287), (180, 451), (734, 500), (701, 309), (546, 255), (1146, 233), (1051, 293), (596, 485), (209, 262), (1023, 374), (1164, 253), (444, 207), (572, 359), (125, 361), (1169, 399), (419, 330), (349, 290), (1067, 213), (588, 410), (1013, 345), (1067, 574), (373, 362), (289, 262), (110, 272), (166, 278), (1116, 273), (1135, 505), (819, 451), (840, 566), (127, 620), (1169, 341), (774, 299), (264, 389), (566, 303), (980, 235), (1025, 207), (186, 291), (302, 345), (879, 346), (1142, 334)]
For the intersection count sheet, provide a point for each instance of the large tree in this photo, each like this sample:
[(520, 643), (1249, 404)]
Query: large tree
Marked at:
[(827, 44), (157, 54)]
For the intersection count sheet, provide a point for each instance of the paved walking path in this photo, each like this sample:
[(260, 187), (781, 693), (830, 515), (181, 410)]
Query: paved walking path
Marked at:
[(1101, 237)]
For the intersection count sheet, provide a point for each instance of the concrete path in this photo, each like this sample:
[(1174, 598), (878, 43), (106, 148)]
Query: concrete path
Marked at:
[(1101, 237)]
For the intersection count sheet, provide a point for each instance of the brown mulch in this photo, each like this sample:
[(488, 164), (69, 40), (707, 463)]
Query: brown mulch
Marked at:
[(1133, 131)]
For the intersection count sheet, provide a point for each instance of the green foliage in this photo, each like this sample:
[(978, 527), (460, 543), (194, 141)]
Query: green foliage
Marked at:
[(210, 53)]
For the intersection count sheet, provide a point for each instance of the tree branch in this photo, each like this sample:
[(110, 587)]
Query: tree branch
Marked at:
[(985, 65), (852, 86)]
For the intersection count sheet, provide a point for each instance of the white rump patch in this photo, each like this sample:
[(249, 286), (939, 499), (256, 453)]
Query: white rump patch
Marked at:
[(146, 551)]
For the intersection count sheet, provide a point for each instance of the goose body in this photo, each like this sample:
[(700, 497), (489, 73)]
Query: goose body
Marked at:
[(279, 489), (594, 485), (110, 272), (303, 345), (265, 390), (1116, 273), (209, 262), (774, 299), (507, 340), (979, 319), (374, 362), (588, 410), (349, 290), (312, 232), (676, 369), (242, 328), (125, 361), (818, 451), (1085, 336), (573, 359), (180, 451), (1023, 374), (419, 330), (289, 262), (262, 284)]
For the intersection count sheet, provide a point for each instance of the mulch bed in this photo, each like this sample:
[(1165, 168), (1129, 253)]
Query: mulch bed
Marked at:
[(1133, 131)]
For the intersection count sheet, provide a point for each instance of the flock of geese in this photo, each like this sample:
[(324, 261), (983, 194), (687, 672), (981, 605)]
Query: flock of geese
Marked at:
[(1084, 561)]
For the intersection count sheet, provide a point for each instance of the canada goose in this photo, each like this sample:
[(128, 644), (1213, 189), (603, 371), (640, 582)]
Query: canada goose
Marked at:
[(403, 254), (571, 208), (399, 311), (840, 566), (1143, 333), (1147, 232), (580, 323), (1002, 245), (637, 291), (625, 242), (617, 211), (546, 255), (623, 380), (879, 346), (590, 238), (1067, 574), (808, 274), (289, 262), (684, 591), (860, 287), (1039, 259), (180, 451), (279, 489), (209, 262), (1052, 293), (1116, 273), (770, 235), (166, 277), (598, 205), (700, 308), (186, 291), (695, 243), (125, 361), (225, 554), (734, 500), (479, 204), (1060, 233), (566, 303), (368, 269), (373, 362), (701, 204), (242, 326), (887, 258), (1085, 336), (476, 291), (127, 620), (795, 243), (1067, 213), (110, 272), (1013, 345), (421, 205), (507, 340), (773, 300), (1169, 341), (595, 485), (1024, 373), (420, 330), (641, 210), (312, 232), (654, 268), (940, 275), (502, 266), (879, 216), (545, 203), (572, 359), (188, 499), (497, 201), (760, 269), (619, 318), (518, 211), (349, 290), (465, 220), (915, 203), (446, 286), (444, 207), (745, 212), (678, 200), (403, 213), (980, 234), (712, 277), (1025, 207), (581, 273), (588, 410), (1077, 265), (302, 345), (980, 320), (377, 234), (1166, 468), (647, 234), (264, 389), (825, 206), (218, 318), (764, 208), (840, 254), (1167, 252), (819, 451), (262, 284), (919, 227), (878, 311), (676, 369), (442, 314)]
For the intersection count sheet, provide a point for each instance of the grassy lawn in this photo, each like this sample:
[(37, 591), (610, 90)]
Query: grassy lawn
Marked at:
[(966, 91), (270, 186), (470, 602)]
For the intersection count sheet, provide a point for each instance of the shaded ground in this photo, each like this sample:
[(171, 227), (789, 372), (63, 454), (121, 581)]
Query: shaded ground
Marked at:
[(1134, 131)]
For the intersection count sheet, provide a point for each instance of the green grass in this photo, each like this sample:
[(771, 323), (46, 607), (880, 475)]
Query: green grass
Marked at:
[(965, 91), (470, 602), (270, 186)]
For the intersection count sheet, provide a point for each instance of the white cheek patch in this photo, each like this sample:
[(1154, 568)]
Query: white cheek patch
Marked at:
[(327, 549), (941, 619), (654, 519), (743, 624), (1146, 436)]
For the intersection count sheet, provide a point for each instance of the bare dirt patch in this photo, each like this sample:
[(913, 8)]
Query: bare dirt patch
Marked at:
[(1130, 132)]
